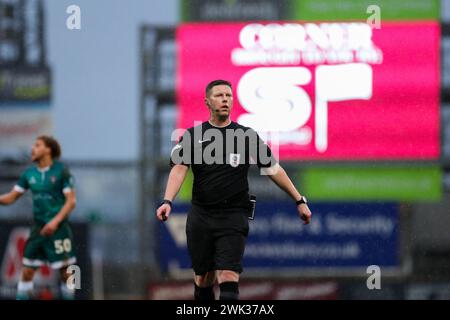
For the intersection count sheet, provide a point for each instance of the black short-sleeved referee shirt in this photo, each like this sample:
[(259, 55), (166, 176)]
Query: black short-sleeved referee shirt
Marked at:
[(220, 158)]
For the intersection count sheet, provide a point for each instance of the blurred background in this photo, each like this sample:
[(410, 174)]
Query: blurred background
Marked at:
[(354, 96)]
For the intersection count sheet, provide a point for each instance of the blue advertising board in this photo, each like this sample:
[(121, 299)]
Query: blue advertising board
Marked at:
[(340, 236)]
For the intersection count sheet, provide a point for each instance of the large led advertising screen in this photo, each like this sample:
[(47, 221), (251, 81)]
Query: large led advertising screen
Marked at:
[(320, 91)]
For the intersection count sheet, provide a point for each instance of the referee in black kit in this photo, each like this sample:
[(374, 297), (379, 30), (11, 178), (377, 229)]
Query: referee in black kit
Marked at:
[(220, 152)]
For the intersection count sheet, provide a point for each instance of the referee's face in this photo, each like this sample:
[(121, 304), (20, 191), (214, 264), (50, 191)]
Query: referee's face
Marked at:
[(220, 101)]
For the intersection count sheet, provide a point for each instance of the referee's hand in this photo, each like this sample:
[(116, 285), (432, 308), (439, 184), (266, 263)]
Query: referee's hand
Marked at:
[(163, 212), (304, 213)]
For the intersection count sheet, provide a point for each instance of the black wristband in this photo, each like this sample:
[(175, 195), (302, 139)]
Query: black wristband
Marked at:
[(302, 200), (166, 201)]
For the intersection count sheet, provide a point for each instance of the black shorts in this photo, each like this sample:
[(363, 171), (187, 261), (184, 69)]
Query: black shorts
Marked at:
[(216, 238)]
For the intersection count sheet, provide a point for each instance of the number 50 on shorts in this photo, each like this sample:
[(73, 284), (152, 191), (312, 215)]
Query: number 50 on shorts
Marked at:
[(63, 245)]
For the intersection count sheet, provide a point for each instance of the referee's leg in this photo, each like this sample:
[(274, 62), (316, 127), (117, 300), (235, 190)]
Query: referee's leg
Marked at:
[(229, 284), (229, 254), (204, 286), (201, 251)]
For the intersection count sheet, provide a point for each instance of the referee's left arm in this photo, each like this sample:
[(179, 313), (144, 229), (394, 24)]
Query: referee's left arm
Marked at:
[(278, 175)]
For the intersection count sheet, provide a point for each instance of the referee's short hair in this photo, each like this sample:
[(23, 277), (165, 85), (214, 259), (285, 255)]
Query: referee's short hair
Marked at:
[(216, 83)]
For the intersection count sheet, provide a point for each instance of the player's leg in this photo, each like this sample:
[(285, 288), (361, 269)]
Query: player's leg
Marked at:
[(33, 258), (67, 292), (59, 250), (25, 285), (201, 251), (230, 245)]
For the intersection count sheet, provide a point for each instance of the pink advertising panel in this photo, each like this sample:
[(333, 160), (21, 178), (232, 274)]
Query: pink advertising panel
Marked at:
[(320, 91)]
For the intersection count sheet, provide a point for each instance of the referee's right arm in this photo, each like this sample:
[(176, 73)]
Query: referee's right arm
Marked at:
[(176, 178)]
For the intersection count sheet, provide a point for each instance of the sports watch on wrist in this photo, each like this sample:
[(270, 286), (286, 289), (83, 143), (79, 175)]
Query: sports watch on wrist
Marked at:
[(302, 200), (166, 201)]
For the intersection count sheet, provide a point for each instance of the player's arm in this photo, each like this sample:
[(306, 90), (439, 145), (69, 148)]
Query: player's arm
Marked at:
[(19, 189), (10, 197), (176, 177), (69, 204), (62, 215), (278, 175)]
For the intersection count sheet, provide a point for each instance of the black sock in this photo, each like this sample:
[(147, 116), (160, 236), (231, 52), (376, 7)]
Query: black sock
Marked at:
[(204, 294), (229, 290)]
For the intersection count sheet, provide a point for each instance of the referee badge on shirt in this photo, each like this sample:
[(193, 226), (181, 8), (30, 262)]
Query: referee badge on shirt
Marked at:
[(235, 159)]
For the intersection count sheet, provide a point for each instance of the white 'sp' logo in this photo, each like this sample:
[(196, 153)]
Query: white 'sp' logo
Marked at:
[(276, 102)]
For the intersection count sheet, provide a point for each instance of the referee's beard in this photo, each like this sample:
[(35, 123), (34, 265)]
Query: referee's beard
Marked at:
[(221, 114)]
